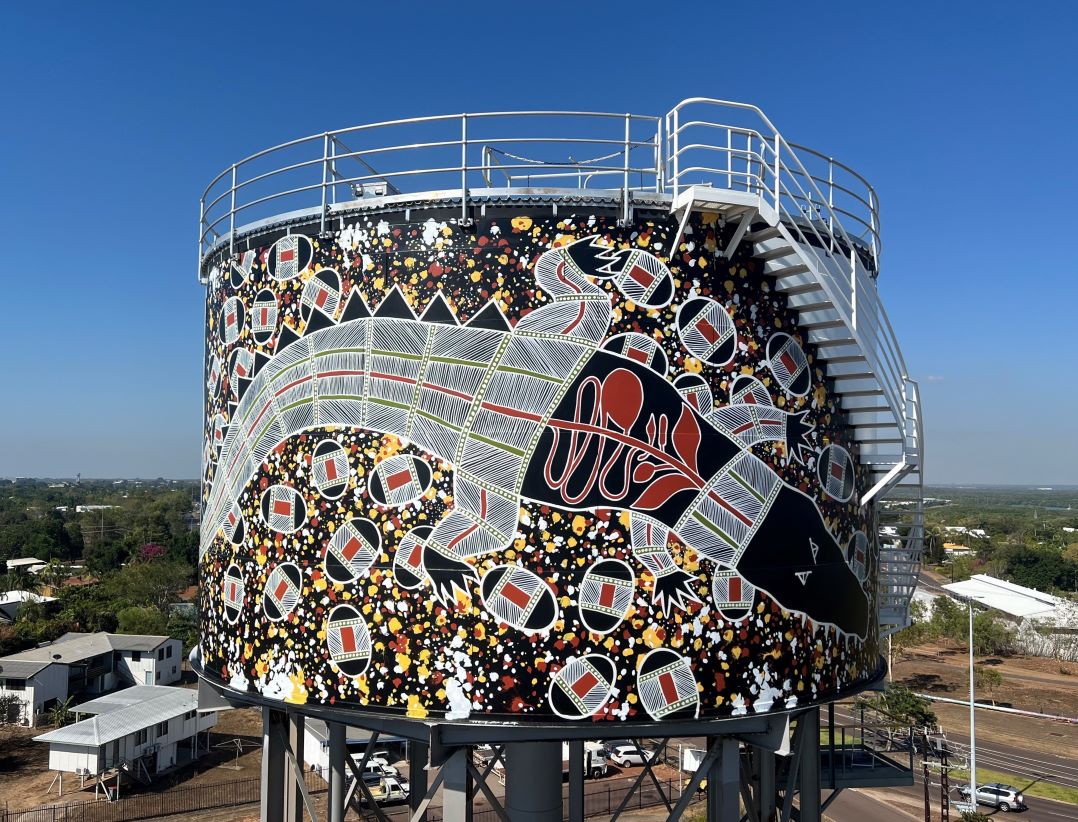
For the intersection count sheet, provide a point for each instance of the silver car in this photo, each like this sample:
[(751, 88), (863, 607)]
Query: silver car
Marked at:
[(999, 796)]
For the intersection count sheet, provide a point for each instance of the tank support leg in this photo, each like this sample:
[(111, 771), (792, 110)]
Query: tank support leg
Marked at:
[(457, 787), (724, 781), (336, 771), (576, 781), (273, 765), (809, 802), (293, 776), (763, 788), (533, 781), (417, 779)]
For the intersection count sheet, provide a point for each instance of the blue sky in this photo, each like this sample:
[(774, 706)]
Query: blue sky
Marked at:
[(116, 115)]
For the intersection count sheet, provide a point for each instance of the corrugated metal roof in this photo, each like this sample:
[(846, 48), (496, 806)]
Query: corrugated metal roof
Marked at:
[(1006, 596), (76, 647), (125, 712), (20, 669)]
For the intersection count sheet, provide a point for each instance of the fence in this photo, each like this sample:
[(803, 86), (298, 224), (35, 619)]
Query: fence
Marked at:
[(601, 798), (151, 805)]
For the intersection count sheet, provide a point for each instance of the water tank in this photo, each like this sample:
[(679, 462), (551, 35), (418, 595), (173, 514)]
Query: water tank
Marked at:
[(493, 433)]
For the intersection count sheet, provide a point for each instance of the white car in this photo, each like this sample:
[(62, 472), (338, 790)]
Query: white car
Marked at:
[(625, 755), (1002, 797)]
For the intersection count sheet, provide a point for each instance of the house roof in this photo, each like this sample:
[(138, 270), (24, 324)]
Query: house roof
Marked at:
[(8, 597), (123, 713), (76, 647), (20, 669), (24, 562), (1016, 600)]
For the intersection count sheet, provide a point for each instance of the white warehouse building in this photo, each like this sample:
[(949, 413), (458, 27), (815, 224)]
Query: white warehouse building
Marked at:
[(144, 729)]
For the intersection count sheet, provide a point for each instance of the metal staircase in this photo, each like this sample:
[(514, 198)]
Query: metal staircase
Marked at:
[(795, 222)]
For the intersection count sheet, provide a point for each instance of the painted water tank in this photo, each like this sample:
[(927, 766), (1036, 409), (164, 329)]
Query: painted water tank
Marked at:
[(523, 454)]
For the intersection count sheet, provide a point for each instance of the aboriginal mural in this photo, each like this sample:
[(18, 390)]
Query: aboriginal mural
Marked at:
[(539, 467)]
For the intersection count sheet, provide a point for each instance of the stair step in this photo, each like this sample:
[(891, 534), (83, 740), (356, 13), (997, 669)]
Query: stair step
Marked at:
[(763, 234), (843, 358), (813, 306), (865, 392), (852, 375), (817, 324), (810, 287), (775, 253), (781, 271)]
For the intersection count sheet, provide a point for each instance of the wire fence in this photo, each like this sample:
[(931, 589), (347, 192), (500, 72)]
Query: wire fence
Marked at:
[(151, 805), (600, 798)]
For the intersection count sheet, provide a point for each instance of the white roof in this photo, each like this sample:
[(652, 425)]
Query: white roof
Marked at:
[(8, 597), (25, 562), (1006, 596), (123, 713)]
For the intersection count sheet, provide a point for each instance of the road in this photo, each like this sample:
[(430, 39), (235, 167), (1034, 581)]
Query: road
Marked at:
[(904, 804), (1040, 765)]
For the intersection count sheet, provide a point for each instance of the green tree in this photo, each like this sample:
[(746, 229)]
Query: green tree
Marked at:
[(60, 714), (903, 706), (142, 619), (986, 678)]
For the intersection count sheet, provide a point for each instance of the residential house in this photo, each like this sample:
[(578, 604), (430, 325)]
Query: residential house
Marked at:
[(91, 664), (145, 730), (11, 602)]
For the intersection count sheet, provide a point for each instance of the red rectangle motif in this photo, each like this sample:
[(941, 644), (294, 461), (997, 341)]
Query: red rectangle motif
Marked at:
[(515, 595)]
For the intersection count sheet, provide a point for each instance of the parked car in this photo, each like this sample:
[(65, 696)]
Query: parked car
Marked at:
[(999, 796), (379, 768), (386, 789), (629, 754)]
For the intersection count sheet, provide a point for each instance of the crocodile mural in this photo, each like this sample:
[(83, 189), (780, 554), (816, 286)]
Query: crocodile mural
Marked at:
[(481, 418)]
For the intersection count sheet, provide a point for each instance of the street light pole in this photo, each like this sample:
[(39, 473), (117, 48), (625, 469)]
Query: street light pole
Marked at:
[(972, 720)]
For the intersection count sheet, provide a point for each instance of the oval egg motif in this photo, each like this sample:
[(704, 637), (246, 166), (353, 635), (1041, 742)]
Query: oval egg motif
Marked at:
[(284, 587), (264, 316), (706, 330), (519, 598), (606, 595), (289, 257), (329, 469), (348, 640), (399, 480), (352, 550), (667, 686), (835, 469), (582, 686), (283, 509), (789, 364)]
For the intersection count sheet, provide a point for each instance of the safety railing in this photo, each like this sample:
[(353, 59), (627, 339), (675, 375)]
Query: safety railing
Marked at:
[(742, 151), (453, 155), (446, 156)]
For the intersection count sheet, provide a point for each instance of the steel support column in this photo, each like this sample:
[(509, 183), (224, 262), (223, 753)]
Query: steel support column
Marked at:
[(576, 781), (533, 781), (764, 784), (418, 753), (293, 797), (274, 762), (809, 802), (337, 753), (724, 782), (457, 787)]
